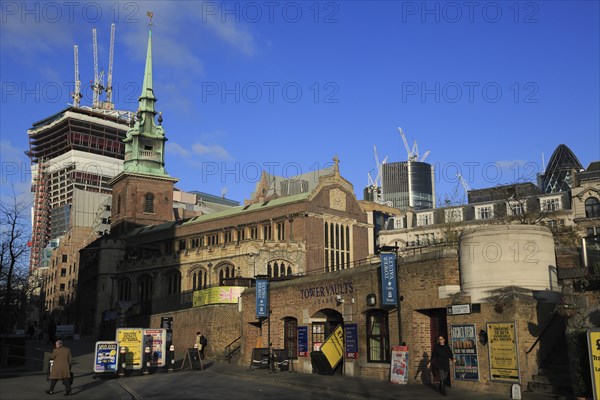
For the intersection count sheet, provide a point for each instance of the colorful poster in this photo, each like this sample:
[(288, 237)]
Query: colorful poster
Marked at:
[(503, 352), (593, 337), (156, 339), (303, 341), (399, 365), (351, 332), (107, 357), (389, 295), (464, 347), (262, 298), (133, 340), (333, 346), (217, 295)]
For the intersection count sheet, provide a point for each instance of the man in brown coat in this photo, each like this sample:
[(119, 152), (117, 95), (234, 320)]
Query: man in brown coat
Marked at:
[(61, 368)]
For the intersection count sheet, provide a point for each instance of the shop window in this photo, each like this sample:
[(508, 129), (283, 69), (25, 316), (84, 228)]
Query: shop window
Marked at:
[(378, 347), (290, 334), (318, 335)]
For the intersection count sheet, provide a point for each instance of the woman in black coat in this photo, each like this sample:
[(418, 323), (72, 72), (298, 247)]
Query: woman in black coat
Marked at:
[(440, 361)]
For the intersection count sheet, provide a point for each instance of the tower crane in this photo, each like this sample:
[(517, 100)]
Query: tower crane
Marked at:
[(463, 183), (97, 87), (110, 64), (412, 153), (77, 94)]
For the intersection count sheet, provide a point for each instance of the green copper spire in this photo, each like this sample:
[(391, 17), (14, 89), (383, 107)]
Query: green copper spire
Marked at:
[(147, 98), (145, 141)]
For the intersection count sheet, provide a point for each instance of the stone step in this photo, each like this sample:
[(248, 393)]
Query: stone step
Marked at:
[(543, 396), (562, 381)]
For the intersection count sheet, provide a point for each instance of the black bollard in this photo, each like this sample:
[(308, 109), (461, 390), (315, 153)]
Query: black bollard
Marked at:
[(171, 358), (146, 367), (121, 368)]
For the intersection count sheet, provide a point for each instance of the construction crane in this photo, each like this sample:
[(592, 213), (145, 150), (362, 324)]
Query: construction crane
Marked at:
[(412, 153), (375, 185), (110, 64), (77, 94), (97, 87), (463, 183)]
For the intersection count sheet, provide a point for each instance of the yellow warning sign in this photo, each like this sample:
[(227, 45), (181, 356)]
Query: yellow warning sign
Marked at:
[(593, 336), (333, 347)]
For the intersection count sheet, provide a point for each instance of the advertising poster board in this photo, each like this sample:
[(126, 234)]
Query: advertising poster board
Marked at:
[(399, 365), (351, 332), (133, 340), (333, 347), (464, 347), (156, 339), (302, 341), (593, 337), (106, 357), (503, 352)]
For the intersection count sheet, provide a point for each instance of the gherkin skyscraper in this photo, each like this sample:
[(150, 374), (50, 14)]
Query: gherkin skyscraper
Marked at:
[(561, 169)]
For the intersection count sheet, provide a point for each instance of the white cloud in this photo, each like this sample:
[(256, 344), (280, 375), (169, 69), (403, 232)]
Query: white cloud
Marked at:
[(232, 34), (214, 151), (177, 149)]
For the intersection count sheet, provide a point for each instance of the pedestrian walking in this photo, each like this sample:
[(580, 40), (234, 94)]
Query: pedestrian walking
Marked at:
[(440, 361), (201, 341), (61, 367)]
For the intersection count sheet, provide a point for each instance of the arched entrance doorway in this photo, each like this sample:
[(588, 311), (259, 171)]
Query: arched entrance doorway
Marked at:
[(322, 324)]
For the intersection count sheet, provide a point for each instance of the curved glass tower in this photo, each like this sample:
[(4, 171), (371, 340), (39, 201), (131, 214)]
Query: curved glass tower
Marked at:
[(561, 169), (408, 184)]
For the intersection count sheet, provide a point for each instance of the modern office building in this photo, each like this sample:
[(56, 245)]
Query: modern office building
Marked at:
[(408, 184)]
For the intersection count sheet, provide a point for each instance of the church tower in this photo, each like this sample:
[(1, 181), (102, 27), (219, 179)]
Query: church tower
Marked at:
[(143, 192)]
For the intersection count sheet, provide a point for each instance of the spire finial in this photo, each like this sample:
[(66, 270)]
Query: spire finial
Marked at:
[(150, 14)]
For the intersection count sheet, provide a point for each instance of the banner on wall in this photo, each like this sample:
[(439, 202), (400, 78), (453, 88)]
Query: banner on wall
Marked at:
[(503, 352), (399, 365), (464, 347), (389, 295), (262, 298), (351, 332), (217, 295), (302, 341)]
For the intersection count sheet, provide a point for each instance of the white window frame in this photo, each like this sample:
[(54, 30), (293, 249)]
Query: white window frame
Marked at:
[(550, 204), (453, 215), (512, 205), (424, 219), (479, 212)]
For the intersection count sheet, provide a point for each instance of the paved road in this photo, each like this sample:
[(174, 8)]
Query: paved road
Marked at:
[(216, 381)]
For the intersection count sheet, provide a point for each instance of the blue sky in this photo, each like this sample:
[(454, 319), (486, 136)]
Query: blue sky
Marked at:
[(486, 87)]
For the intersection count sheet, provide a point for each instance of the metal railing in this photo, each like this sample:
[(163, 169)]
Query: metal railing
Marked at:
[(232, 349)]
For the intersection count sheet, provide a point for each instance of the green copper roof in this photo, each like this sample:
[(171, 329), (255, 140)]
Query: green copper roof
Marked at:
[(249, 208)]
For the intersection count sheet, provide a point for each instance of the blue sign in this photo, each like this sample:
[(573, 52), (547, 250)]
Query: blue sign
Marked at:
[(262, 298), (351, 339), (302, 341), (389, 295)]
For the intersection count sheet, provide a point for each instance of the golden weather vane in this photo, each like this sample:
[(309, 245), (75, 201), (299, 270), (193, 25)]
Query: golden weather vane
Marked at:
[(150, 14)]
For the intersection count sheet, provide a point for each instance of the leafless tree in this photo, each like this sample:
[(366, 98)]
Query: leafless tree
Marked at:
[(14, 251)]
